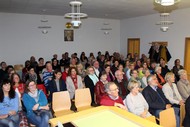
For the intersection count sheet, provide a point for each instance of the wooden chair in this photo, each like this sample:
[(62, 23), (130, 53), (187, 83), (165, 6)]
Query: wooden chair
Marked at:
[(83, 99), (167, 118), (61, 103), (182, 114), (152, 119)]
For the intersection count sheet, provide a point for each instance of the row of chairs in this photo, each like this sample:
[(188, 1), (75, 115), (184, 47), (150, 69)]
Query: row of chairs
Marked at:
[(61, 102), (167, 117)]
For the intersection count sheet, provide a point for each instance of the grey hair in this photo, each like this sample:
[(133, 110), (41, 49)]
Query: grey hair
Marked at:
[(107, 86), (149, 78), (181, 72), (156, 69)]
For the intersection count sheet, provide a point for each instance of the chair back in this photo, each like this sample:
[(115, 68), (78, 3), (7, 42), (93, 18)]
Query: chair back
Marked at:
[(151, 118), (182, 114), (167, 118), (42, 87), (82, 97), (61, 101)]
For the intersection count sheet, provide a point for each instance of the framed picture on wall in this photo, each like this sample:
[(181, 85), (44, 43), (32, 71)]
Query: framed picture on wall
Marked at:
[(68, 35)]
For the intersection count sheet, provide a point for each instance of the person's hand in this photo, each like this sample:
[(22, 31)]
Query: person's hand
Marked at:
[(143, 115), (120, 106), (11, 113), (3, 116), (35, 107), (45, 107), (181, 102), (168, 106)]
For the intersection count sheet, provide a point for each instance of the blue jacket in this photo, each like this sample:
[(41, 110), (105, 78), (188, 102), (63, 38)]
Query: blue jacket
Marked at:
[(29, 101)]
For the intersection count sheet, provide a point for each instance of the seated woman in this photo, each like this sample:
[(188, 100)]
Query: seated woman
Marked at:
[(176, 68), (100, 87), (135, 102), (65, 72), (19, 88), (73, 81), (57, 84), (143, 81), (110, 76), (9, 105), (90, 81), (160, 78), (38, 112), (183, 84), (112, 97), (31, 75), (171, 92)]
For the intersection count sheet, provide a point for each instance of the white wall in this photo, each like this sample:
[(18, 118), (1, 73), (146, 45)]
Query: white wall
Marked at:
[(20, 37), (144, 28)]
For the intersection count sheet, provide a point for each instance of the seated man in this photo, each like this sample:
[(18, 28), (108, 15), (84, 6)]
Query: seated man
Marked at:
[(121, 84), (112, 97), (156, 98)]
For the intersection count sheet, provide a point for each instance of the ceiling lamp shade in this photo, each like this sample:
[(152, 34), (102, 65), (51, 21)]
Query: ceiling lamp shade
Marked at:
[(75, 14), (166, 2)]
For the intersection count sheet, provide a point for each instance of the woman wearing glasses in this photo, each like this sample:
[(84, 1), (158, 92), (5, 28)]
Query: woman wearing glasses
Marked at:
[(38, 112)]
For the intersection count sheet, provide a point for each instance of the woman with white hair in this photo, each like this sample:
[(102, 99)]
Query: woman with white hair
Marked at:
[(160, 78), (171, 92), (183, 84), (135, 101)]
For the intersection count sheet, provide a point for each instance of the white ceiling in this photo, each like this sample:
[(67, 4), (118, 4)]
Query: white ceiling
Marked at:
[(114, 9)]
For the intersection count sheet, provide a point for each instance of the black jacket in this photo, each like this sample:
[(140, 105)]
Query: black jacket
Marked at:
[(153, 99), (186, 122)]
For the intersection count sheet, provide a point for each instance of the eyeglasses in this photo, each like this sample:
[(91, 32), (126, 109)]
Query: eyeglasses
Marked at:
[(116, 89), (31, 85)]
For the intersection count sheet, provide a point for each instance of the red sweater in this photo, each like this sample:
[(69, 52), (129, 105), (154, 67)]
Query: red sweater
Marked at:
[(107, 101)]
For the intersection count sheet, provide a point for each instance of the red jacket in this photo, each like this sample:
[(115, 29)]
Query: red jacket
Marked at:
[(99, 91), (107, 101)]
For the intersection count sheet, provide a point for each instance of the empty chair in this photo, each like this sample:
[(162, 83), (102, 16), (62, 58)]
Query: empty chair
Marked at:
[(167, 118), (83, 99), (61, 103)]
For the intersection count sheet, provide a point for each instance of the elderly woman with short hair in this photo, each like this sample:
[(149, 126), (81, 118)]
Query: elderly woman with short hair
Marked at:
[(183, 84), (160, 78), (135, 101), (170, 90)]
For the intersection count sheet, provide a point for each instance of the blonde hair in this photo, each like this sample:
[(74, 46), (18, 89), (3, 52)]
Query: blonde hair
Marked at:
[(168, 76), (132, 84), (79, 65)]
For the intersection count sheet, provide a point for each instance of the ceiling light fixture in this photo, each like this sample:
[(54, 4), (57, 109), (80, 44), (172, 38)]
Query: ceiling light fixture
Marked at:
[(166, 2), (44, 21), (75, 14), (164, 22), (106, 28)]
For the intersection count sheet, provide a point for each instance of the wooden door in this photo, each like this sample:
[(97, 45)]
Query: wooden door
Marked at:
[(187, 57), (133, 46)]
